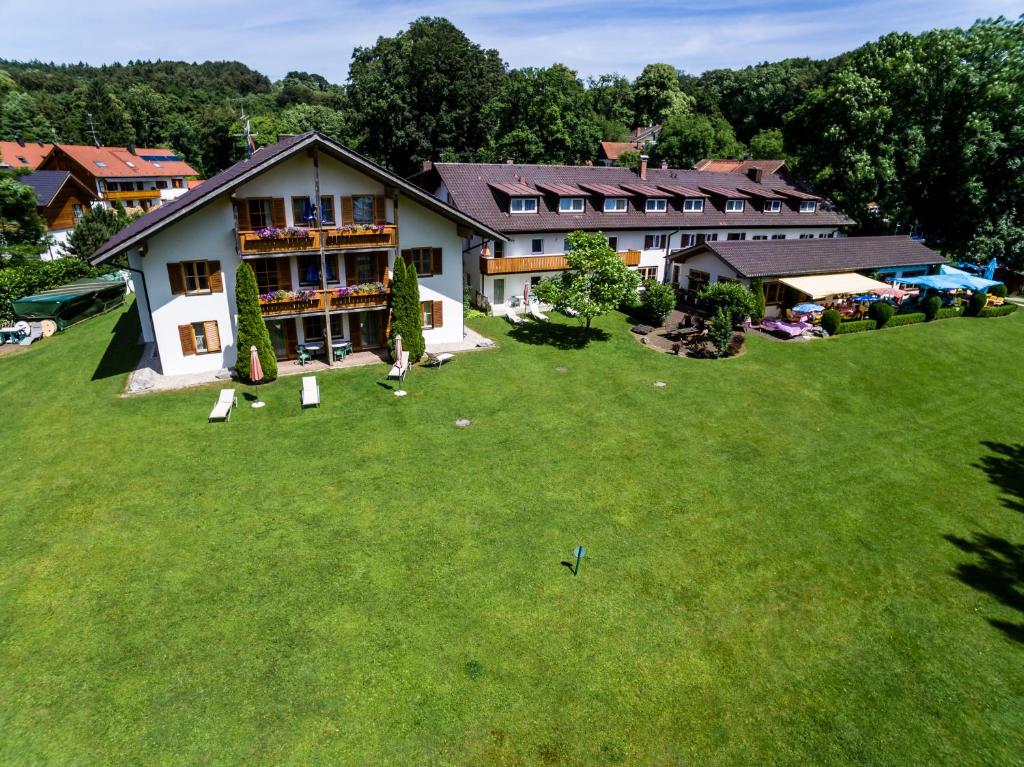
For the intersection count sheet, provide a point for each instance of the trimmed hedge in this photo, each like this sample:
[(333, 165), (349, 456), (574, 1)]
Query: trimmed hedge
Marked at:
[(998, 311), (949, 311), (857, 326), (905, 319)]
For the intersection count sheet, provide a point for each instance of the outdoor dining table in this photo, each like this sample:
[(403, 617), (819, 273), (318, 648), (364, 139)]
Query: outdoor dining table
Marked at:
[(314, 347)]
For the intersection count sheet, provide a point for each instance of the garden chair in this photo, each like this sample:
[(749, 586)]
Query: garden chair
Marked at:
[(537, 313), (226, 402), (437, 360), (304, 356), (310, 393), (513, 316)]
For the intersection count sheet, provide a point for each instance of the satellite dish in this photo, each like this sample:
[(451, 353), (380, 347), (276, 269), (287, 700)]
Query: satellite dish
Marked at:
[(48, 328)]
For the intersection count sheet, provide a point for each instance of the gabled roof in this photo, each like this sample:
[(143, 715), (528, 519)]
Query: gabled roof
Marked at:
[(762, 192), (605, 190), (14, 155), (645, 190), (785, 258), (710, 165), (682, 191), (561, 190), (612, 150), (514, 189), (48, 183), (729, 194), (264, 159), (119, 162)]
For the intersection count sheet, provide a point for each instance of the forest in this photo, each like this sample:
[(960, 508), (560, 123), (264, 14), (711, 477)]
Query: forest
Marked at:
[(909, 133)]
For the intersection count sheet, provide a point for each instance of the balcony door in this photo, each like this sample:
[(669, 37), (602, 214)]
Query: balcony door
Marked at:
[(367, 330), (499, 291), (283, 337)]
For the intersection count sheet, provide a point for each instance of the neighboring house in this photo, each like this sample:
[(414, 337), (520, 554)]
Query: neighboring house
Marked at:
[(23, 154), (641, 140), (62, 200), (645, 214), (140, 179), (784, 265), (258, 211), (778, 167)]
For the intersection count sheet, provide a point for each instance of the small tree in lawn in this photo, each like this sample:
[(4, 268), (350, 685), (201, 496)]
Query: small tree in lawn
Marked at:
[(595, 283), (252, 330), (720, 332)]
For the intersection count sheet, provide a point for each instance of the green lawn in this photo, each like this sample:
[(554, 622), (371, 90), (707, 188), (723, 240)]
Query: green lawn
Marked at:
[(810, 554)]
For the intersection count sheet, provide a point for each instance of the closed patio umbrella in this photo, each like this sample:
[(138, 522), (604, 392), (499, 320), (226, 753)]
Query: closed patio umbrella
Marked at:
[(255, 373), (526, 294)]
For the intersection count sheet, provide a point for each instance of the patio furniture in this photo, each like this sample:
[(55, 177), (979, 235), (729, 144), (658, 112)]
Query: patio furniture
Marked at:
[(304, 356), (437, 360), (537, 313), (11, 335), (310, 394), (513, 316), (400, 368), (341, 349), (226, 402), (314, 347)]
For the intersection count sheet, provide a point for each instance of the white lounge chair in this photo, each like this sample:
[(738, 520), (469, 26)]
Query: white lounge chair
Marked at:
[(437, 360), (513, 316), (537, 313), (226, 402), (310, 392), (399, 370), (570, 312)]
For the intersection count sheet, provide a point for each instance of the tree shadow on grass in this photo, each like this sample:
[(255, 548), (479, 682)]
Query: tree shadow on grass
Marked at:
[(998, 565), (122, 353), (556, 334)]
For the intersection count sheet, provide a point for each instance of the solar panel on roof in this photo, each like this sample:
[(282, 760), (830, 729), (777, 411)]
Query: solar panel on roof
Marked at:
[(160, 157)]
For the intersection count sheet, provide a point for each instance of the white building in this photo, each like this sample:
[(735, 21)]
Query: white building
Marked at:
[(320, 280), (646, 215)]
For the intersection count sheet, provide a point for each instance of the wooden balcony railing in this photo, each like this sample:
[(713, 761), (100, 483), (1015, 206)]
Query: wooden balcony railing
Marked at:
[(307, 301), (138, 194), (525, 264), (295, 240)]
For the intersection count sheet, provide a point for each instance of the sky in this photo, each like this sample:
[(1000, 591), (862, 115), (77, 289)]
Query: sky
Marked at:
[(591, 37)]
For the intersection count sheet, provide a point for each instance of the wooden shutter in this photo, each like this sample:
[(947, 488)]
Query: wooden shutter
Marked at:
[(212, 336), (347, 216), (436, 259), (381, 264), (648, 241), (438, 314), (277, 212), (188, 339), (353, 331), (176, 275), (216, 276), (380, 210), (284, 274), (242, 210)]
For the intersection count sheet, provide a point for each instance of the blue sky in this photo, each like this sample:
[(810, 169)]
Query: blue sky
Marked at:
[(591, 37)]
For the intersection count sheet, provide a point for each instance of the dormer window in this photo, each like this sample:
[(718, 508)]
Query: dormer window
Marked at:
[(523, 205), (772, 206), (808, 206), (656, 205), (570, 205), (693, 205), (615, 205), (129, 163), (734, 206)]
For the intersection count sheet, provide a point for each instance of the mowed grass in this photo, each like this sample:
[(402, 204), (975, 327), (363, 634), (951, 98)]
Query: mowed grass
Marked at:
[(810, 554)]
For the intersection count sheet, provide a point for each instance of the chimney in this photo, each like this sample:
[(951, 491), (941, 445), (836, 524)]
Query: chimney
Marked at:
[(642, 170), (509, 161), (664, 164), (131, 149), (521, 180), (427, 165), (755, 174)]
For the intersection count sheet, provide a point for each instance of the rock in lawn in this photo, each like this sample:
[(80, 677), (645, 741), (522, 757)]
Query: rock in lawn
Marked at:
[(463, 423)]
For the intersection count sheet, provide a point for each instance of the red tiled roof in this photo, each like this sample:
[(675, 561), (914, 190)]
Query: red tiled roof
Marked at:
[(562, 190), (194, 182), (614, 149), (118, 162), (605, 190), (29, 156), (514, 189)]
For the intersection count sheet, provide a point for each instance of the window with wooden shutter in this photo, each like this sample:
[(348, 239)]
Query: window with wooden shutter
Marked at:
[(212, 336), (347, 215), (436, 261), (277, 212), (380, 211), (176, 276), (242, 211), (216, 277), (188, 341), (427, 314), (438, 319), (284, 274)]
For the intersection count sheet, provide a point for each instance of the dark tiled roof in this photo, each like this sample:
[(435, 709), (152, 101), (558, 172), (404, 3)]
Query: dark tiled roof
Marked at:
[(227, 179), (562, 190), (786, 258), (469, 188), (730, 193), (45, 183)]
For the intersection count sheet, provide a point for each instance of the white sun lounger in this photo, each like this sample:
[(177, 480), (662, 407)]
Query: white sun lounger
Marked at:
[(570, 312), (437, 360), (513, 316), (310, 392), (537, 313), (226, 402), (399, 371)]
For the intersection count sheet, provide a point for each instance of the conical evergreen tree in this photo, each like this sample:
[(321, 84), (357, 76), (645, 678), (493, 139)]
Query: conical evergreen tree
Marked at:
[(396, 327), (252, 330), (413, 337)]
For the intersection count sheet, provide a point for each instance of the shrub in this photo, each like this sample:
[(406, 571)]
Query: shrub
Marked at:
[(948, 312), (932, 305), (998, 311), (657, 301), (735, 301), (857, 326), (905, 319), (999, 291), (830, 321), (976, 304), (720, 332), (757, 289), (881, 312), (252, 329)]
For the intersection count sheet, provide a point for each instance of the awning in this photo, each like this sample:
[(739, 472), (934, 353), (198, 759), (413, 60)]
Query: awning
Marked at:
[(822, 285)]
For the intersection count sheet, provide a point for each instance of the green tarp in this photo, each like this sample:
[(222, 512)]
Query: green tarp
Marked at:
[(73, 302)]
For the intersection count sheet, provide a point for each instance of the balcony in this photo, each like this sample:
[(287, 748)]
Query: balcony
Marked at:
[(526, 264), (373, 295), (137, 194), (296, 240)]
